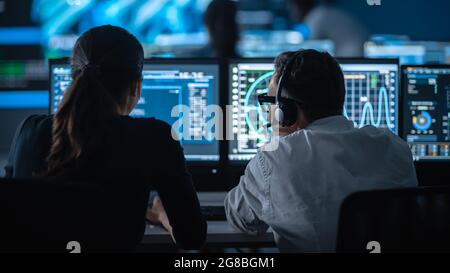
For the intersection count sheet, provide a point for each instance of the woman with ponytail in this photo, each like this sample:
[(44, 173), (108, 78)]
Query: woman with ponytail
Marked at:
[(92, 138)]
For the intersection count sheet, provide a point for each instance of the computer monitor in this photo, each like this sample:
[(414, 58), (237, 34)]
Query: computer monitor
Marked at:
[(372, 92), (168, 85), (248, 79), (60, 80), (23, 84), (426, 111), (447, 54), (408, 52), (372, 99), (265, 44), (23, 91)]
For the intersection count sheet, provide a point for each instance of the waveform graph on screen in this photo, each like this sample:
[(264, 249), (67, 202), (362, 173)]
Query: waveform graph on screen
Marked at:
[(372, 98)]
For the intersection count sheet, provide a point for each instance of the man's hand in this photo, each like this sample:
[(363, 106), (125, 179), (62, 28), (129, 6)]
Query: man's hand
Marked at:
[(157, 214)]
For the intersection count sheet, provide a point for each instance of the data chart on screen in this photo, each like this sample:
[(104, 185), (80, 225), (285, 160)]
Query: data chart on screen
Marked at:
[(372, 95), (170, 91), (426, 111), (249, 122), (371, 100)]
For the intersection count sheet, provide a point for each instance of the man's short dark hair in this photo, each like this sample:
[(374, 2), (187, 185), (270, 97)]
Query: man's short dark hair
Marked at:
[(315, 81)]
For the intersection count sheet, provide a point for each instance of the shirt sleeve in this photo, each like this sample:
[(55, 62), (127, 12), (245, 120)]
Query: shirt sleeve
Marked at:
[(247, 204), (179, 197)]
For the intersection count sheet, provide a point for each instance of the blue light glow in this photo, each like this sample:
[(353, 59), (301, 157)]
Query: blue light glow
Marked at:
[(20, 35), (24, 99), (147, 19)]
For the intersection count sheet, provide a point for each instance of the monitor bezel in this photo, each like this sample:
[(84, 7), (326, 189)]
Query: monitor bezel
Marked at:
[(264, 60), (357, 60), (344, 60), (423, 162), (163, 61), (213, 166), (382, 61), (182, 61)]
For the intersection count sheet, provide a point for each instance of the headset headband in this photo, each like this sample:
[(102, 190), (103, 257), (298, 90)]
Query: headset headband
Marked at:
[(287, 67)]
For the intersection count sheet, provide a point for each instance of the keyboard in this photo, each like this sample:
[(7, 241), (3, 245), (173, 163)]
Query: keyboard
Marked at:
[(214, 213)]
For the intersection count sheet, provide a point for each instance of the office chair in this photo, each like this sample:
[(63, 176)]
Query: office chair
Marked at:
[(45, 216), (398, 220)]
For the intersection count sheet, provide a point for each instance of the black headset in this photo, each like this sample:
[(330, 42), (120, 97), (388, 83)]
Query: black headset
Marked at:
[(286, 109)]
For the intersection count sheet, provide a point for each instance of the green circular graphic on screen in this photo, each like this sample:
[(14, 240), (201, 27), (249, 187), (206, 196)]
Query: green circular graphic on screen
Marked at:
[(260, 86)]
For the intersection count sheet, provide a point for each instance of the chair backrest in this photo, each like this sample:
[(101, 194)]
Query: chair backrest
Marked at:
[(44, 216), (399, 220)]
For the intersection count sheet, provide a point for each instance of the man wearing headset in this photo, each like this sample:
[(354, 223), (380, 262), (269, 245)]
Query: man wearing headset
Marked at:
[(297, 189)]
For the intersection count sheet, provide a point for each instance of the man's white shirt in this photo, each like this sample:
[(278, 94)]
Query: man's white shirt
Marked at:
[(298, 188)]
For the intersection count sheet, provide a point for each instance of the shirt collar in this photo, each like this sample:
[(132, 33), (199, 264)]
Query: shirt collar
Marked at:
[(334, 123)]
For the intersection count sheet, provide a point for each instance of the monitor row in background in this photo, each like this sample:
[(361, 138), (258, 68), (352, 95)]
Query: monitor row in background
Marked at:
[(373, 98), (417, 107), (374, 94)]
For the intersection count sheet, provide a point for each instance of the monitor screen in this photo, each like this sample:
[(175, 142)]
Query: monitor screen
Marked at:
[(170, 90), (372, 99), (264, 44), (247, 81), (23, 84), (408, 52), (447, 55), (156, 24), (60, 80), (426, 111), (372, 95)]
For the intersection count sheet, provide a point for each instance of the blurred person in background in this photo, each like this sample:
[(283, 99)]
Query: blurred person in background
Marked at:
[(223, 31), (325, 22)]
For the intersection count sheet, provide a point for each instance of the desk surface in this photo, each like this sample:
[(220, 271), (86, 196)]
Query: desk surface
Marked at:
[(219, 232), (211, 198)]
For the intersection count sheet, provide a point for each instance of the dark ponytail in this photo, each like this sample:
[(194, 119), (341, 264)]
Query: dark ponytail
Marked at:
[(105, 62)]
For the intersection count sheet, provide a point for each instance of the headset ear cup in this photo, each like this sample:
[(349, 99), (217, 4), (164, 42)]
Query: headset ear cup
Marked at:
[(289, 110), (279, 115)]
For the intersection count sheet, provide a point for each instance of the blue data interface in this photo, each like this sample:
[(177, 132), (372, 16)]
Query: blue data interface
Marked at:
[(426, 110), (180, 96), (371, 99)]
